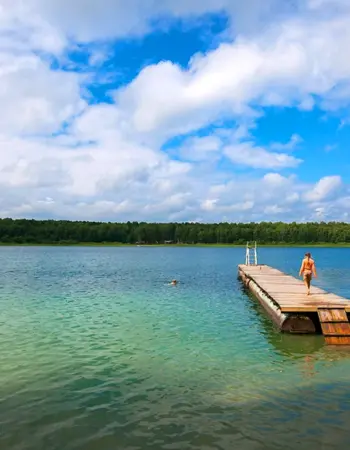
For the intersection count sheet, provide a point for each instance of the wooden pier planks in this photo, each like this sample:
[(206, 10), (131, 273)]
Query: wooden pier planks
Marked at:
[(289, 296), (335, 326), (289, 293)]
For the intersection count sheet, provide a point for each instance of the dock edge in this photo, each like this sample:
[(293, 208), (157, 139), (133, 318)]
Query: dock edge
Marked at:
[(286, 322)]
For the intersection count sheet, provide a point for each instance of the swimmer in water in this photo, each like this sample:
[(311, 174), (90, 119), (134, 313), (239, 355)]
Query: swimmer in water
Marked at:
[(308, 269), (174, 283)]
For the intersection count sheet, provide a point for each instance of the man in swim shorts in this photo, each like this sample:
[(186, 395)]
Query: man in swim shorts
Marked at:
[(308, 269)]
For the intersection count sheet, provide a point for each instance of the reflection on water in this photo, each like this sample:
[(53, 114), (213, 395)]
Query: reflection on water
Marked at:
[(97, 351)]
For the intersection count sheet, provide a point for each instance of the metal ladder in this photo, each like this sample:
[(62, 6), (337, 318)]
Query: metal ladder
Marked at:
[(251, 255)]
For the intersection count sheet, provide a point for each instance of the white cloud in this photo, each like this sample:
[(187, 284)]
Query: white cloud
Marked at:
[(109, 164), (200, 148), (292, 198), (232, 208), (246, 154), (88, 20), (285, 65), (274, 197), (294, 141), (209, 204), (320, 213), (332, 4), (98, 183), (324, 189), (275, 179), (275, 209), (33, 98), (24, 27)]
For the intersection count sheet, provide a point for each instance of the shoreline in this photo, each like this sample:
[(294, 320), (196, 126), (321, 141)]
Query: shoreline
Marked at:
[(111, 244)]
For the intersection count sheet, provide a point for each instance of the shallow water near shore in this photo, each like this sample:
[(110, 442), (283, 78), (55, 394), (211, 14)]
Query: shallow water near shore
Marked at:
[(97, 351)]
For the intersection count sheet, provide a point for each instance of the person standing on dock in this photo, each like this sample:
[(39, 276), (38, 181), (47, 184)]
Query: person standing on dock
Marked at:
[(308, 269)]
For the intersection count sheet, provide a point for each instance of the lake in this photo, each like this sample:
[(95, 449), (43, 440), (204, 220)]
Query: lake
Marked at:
[(98, 352)]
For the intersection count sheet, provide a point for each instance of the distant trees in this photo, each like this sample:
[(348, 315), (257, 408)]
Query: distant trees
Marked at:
[(65, 232)]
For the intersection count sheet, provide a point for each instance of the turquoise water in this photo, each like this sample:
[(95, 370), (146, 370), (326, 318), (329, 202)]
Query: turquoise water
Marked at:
[(97, 351)]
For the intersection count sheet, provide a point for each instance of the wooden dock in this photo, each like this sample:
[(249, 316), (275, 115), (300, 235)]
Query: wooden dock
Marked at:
[(285, 299)]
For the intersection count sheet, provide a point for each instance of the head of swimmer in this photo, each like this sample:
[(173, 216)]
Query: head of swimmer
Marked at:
[(174, 282)]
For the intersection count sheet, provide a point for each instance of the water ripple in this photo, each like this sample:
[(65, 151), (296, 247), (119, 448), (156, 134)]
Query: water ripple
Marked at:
[(98, 352)]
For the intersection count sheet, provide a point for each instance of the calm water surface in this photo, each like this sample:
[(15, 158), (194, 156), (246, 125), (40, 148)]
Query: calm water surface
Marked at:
[(97, 351)]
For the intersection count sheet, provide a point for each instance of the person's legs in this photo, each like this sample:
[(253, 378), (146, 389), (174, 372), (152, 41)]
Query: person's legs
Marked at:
[(307, 281)]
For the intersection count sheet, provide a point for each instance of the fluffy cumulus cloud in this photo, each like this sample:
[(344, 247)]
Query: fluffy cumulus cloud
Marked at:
[(284, 66), (161, 149), (88, 20)]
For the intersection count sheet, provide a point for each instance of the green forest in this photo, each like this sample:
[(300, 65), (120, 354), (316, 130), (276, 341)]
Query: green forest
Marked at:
[(62, 232)]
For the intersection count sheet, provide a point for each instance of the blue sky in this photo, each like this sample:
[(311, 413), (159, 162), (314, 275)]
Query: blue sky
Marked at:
[(182, 111)]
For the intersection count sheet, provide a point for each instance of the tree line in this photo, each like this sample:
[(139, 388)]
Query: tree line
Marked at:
[(23, 231)]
